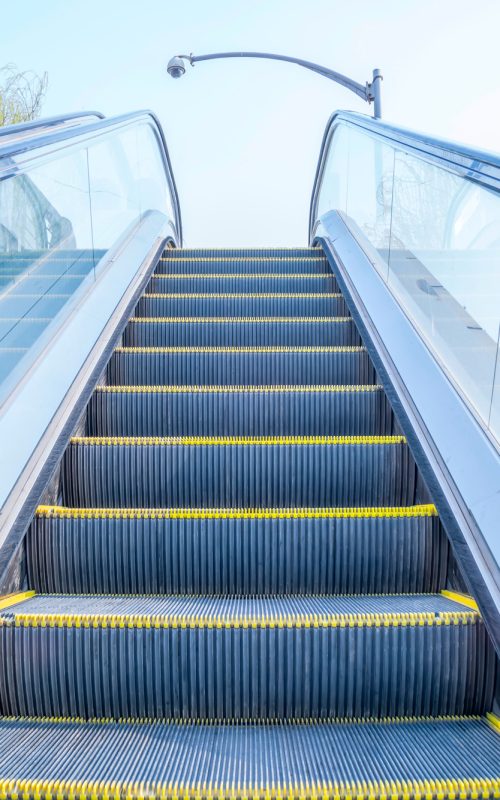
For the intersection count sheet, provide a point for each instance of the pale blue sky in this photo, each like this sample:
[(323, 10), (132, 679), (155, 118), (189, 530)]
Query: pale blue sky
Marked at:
[(244, 136)]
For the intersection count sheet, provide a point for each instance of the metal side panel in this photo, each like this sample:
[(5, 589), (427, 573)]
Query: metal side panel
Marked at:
[(458, 461)]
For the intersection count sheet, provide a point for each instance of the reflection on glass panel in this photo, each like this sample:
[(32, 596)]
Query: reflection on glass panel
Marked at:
[(495, 398), (45, 250), (439, 235), (152, 182), (56, 223), (443, 266), (369, 190), (113, 166), (334, 184)]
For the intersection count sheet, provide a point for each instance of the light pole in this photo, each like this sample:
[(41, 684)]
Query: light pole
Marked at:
[(370, 92)]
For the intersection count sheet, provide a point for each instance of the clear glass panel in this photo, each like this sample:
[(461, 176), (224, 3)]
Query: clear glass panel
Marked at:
[(334, 184), (113, 170), (443, 267), (46, 251), (495, 400), (439, 235), (369, 189), (153, 187), (57, 220)]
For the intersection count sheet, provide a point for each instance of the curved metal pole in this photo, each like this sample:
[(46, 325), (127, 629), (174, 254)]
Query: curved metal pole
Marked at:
[(370, 92)]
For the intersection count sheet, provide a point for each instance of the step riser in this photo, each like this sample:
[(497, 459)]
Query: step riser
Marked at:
[(231, 556), (240, 369), (235, 266), (239, 414), (241, 476), (326, 306), (312, 284), (245, 673), (240, 334)]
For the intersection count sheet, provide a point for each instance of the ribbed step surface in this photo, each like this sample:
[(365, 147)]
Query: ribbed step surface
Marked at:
[(189, 551), (245, 592), (400, 759), (239, 411), (260, 331), (242, 305), (241, 473), (243, 657), (291, 254), (257, 283), (240, 366)]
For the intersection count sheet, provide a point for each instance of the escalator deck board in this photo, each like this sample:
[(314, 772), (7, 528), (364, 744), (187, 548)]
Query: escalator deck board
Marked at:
[(400, 759)]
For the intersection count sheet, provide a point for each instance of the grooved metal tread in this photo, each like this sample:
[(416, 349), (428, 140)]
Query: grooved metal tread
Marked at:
[(227, 611), (401, 759)]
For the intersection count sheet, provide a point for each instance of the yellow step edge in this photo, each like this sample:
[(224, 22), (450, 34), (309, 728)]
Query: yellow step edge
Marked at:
[(132, 389), (494, 721), (8, 600), (249, 349), (199, 259), (186, 295), (273, 722), (401, 789), (360, 620), (459, 597), (252, 320), (237, 440), (235, 513)]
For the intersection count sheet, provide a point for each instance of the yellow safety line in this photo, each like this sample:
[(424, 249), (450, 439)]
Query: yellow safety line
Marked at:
[(494, 721), (425, 789), (235, 620), (249, 349), (240, 319), (237, 440), (235, 513), (186, 295), (459, 597), (201, 259), (8, 600), (130, 389), (317, 722)]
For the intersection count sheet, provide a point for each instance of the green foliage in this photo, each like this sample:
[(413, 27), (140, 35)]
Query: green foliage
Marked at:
[(21, 94)]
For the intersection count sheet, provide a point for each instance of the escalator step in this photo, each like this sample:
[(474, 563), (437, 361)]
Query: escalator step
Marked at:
[(250, 331), (242, 305), (238, 472), (235, 657), (254, 284), (189, 551), (240, 366), (400, 759), (257, 254), (239, 411)]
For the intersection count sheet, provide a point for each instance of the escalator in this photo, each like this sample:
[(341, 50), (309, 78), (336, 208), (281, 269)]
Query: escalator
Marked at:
[(239, 585)]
